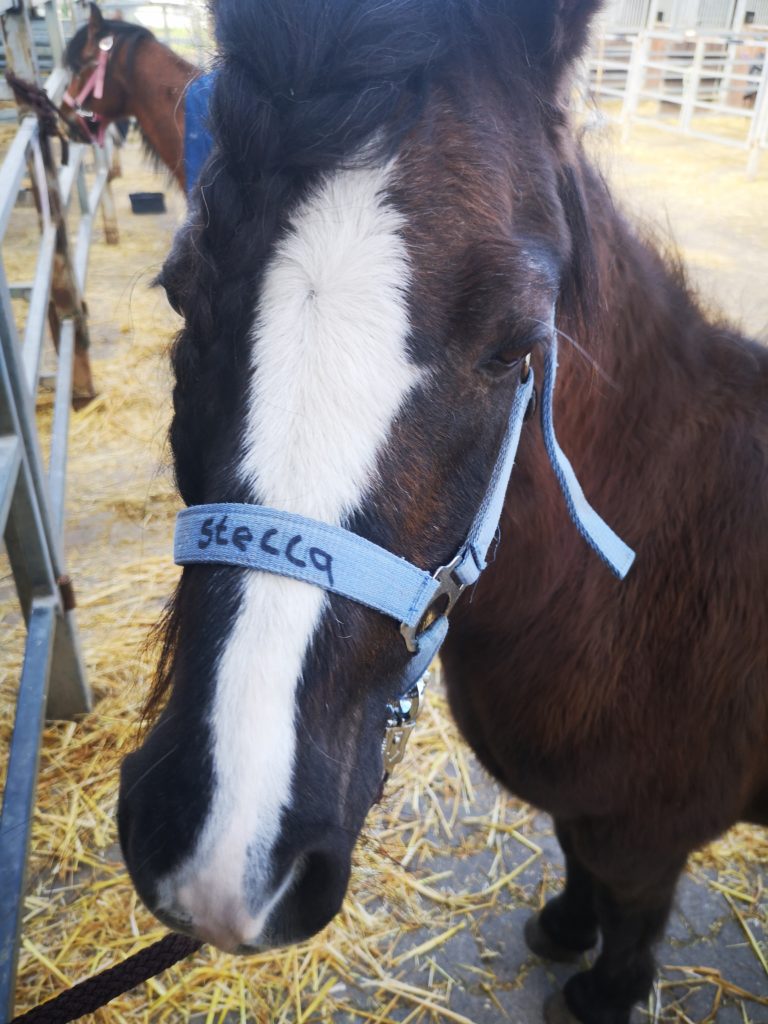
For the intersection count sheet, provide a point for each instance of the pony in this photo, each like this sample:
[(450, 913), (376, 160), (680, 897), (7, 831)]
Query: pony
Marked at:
[(142, 78), (396, 216)]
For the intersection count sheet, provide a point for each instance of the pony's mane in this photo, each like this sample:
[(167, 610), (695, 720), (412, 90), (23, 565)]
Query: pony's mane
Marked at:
[(126, 33)]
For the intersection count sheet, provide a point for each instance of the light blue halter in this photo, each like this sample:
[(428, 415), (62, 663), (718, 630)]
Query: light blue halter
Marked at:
[(268, 540)]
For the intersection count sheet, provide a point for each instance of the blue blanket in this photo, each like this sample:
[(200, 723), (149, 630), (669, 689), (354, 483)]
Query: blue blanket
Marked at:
[(197, 138)]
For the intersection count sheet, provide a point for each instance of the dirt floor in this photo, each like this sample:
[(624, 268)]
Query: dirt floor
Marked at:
[(449, 866), (695, 196)]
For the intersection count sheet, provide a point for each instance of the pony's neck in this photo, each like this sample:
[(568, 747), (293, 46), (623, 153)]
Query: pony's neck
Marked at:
[(156, 99), (625, 418)]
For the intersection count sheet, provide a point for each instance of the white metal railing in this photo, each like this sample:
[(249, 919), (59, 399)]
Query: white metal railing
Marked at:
[(52, 682), (32, 497), (704, 85)]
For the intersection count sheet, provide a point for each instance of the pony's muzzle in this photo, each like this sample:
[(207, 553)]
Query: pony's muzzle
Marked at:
[(240, 904), (249, 919)]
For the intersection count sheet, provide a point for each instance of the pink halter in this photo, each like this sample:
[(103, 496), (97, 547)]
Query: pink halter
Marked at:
[(93, 86)]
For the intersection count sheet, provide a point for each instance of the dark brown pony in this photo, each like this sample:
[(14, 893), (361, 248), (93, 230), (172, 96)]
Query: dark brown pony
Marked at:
[(144, 79), (395, 215)]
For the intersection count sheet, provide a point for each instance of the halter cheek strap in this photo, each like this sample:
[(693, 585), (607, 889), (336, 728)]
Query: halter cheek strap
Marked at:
[(268, 540), (93, 85), (611, 548)]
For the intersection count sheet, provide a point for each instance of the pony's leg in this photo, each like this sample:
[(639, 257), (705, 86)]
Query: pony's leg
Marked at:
[(567, 926), (757, 812), (631, 919)]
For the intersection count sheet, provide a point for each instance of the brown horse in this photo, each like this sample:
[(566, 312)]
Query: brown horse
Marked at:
[(143, 78), (397, 213)]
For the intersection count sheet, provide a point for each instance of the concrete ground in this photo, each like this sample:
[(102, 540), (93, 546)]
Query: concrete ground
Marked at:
[(708, 961)]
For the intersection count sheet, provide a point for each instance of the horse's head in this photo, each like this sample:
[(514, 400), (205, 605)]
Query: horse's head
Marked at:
[(387, 225), (98, 57)]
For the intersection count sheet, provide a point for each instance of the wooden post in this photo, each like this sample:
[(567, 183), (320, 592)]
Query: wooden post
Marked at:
[(108, 212), (113, 156), (20, 53), (20, 57), (65, 293)]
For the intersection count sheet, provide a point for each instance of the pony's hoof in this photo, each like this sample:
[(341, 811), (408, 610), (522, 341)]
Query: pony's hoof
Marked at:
[(556, 1011), (539, 942)]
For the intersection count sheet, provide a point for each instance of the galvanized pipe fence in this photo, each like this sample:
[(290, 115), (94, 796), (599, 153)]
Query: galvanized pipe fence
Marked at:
[(701, 84), (52, 682)]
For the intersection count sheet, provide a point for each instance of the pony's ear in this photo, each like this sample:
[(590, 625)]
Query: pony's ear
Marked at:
[(553, 32), (95, 22)]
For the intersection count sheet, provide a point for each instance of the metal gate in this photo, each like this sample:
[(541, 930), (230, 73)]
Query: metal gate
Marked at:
[(32, 495), (706, 85)]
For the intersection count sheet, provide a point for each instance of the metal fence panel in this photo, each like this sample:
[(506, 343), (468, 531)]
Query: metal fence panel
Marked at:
[(31, 494), (704, 84)]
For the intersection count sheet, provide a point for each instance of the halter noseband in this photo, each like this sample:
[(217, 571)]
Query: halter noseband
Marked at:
[(335, 559), (93, 86)]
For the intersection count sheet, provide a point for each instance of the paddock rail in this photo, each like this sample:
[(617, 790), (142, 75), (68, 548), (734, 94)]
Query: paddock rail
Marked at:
[(52, 681), (704, 85)]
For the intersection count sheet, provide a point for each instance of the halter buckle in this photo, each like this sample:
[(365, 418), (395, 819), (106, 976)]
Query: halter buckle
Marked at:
[(401, 721), (450, 590)]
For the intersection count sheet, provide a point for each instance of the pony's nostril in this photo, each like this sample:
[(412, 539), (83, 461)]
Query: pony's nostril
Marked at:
[(320, 879), (316, 870), (176, 920)]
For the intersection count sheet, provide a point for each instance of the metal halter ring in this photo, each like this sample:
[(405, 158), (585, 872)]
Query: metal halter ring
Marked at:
[(401, 721), (449, 588)]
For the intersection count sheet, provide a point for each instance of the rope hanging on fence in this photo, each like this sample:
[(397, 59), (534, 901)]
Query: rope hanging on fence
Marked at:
[(93, 993), (36, 100)]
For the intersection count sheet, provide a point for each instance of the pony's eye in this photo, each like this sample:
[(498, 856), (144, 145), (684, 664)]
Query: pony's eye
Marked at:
[(506, 360), (509, 358)]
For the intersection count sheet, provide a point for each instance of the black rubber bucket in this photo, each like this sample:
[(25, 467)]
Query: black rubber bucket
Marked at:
[(147, 202)]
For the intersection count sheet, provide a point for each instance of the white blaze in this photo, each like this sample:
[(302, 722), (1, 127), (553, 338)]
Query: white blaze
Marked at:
[(329, 372)]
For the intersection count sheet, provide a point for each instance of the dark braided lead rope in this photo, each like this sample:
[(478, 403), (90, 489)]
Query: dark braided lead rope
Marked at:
[(95, 992)]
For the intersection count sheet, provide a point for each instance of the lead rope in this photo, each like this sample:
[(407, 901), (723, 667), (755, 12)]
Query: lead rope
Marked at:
[(93, 993)]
